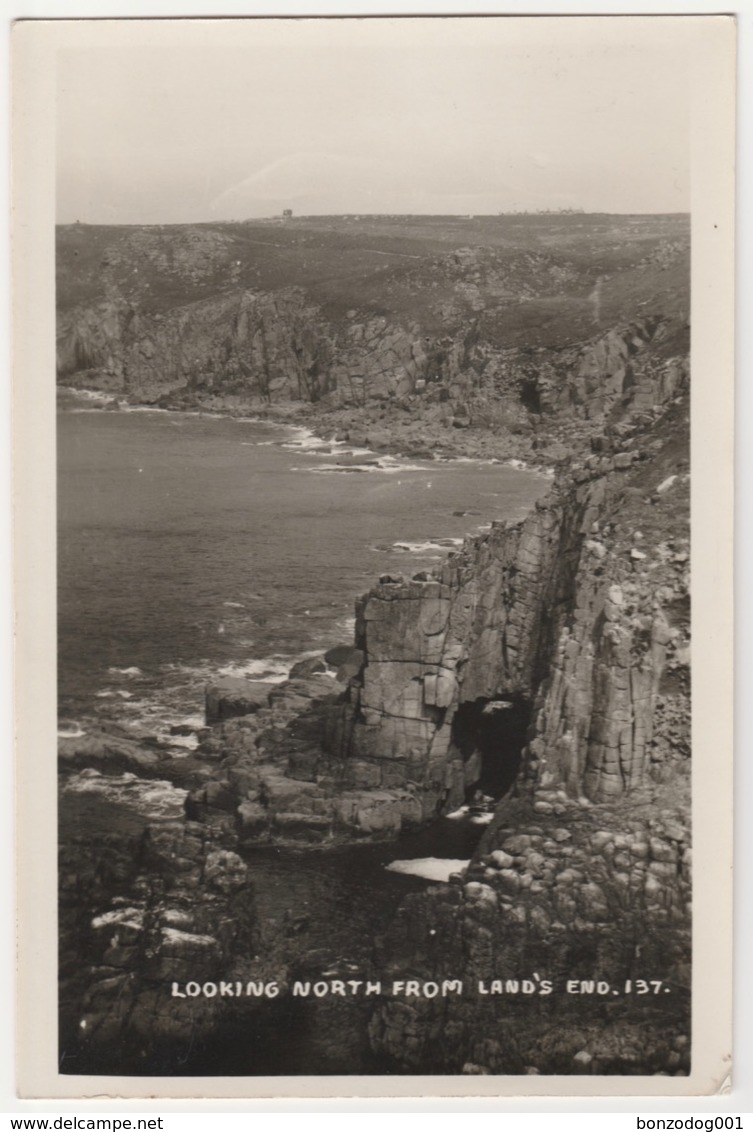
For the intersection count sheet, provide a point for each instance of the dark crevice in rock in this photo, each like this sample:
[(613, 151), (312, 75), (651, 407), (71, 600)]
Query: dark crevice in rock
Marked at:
[(490, 735), (529, 396)]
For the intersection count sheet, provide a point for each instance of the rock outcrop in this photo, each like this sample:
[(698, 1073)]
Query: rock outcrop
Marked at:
[(273, 779), (581, 612), (572, 944), (141, 909), (252, 349), (557, 616), (468, 338)]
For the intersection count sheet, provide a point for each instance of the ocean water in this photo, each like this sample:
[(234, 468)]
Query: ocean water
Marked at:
[(191, 546)]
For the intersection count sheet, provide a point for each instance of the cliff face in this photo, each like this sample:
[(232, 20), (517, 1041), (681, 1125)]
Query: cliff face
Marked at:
[(544, 323), (547, 661), (248, 344), (571, 939), (549, 655), (184, 909), (254, 347), (546, 665), (561, 621)]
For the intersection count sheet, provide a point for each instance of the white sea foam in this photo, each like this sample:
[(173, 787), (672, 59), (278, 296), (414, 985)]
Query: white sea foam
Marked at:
[(430, 868), (88, 394), (174, 935), (464, 813), (400, 464), (477, 460), (301, 437), (196, 721), (187, 742), (70, 730), (157, 715), (482, 818), (425, 549), (386, 465), (309, 443), (126, 917), (132, 671), (429, 546), (153, 798), (142, 409), (272, 669)]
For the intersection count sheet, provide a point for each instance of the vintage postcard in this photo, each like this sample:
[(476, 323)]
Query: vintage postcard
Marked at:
[(373, 426)]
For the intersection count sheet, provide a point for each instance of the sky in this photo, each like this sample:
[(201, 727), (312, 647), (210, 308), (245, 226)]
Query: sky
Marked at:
[(181, 121)]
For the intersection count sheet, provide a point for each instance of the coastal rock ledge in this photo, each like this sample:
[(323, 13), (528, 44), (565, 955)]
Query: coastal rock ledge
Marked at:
[(542, 661), (543, 666)]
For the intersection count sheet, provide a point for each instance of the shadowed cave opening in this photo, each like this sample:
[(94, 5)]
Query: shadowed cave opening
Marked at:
[(490, 734)]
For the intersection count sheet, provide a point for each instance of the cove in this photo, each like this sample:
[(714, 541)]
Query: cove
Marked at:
[(191, 547)]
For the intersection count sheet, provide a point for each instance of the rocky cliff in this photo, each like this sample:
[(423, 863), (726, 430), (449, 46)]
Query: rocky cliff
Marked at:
[(545, 666), (139, 908), (558, 628), (540, 323), (549, 665)]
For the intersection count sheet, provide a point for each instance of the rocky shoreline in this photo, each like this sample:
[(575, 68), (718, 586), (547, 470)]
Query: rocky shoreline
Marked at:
[(335, 433), (584, 837), (544, 665)]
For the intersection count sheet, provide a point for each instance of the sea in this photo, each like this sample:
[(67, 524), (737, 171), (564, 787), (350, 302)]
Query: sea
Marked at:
[(192, 546)]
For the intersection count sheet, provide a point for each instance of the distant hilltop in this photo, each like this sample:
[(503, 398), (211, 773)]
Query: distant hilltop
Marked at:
[(514, 322)]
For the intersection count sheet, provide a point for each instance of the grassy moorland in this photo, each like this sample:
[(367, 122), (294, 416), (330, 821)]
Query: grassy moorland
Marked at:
[(528, 279)]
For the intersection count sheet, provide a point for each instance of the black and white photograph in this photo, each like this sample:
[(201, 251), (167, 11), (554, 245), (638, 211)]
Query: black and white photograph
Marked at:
[(373, 633)]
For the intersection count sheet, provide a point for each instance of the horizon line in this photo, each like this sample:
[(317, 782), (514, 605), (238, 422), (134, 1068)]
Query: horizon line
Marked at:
[(359, 216)]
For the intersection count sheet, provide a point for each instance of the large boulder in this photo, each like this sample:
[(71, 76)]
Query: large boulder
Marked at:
[(308, 667), (109, 754), (233, 696), (343, 654)]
